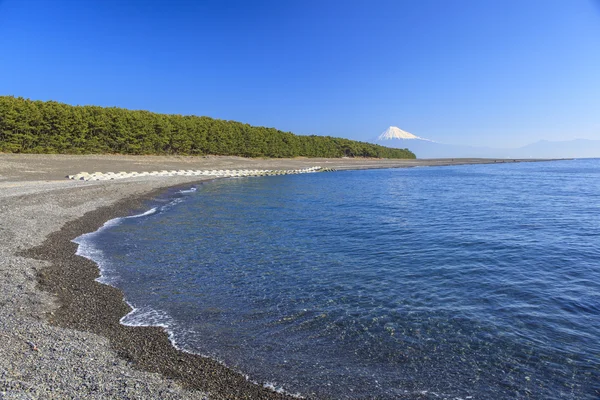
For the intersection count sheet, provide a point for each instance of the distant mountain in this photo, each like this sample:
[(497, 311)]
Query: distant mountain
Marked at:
[(393, 132), (430, 149), (578, 148), (425, 148)]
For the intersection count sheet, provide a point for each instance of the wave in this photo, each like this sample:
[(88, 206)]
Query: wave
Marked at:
[(88, 249), (190, 190), (278, 389), (148, 316)]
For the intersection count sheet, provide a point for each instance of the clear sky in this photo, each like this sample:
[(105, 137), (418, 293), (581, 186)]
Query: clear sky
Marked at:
[(482, 72)]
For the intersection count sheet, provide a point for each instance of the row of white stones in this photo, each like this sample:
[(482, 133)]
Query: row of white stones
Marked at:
[(106, 176)]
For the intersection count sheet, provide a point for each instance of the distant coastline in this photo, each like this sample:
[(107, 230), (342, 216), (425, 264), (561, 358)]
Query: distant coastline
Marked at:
[(576, 148)]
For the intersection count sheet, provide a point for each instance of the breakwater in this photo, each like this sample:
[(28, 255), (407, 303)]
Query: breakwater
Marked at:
[(220, 173)]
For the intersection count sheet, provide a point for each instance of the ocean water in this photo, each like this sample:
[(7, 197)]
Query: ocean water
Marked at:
[(470, 282)]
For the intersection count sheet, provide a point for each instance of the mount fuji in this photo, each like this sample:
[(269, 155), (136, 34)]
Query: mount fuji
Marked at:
[(393, 132), (426, 148), (422, 147)]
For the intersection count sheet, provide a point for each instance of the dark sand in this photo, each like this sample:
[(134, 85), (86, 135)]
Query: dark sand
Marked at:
[(93, 307), (57, 343)]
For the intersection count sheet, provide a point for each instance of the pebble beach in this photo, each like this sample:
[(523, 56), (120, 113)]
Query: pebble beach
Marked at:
[(60, 330)]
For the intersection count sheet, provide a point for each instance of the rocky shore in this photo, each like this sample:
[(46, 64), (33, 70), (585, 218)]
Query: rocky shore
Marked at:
[(60, 331)]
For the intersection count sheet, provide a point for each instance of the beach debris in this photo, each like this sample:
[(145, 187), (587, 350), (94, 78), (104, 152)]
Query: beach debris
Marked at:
[(33, 346), (105, 176)]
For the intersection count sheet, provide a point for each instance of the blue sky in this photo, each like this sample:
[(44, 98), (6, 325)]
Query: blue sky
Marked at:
[(482, 72)]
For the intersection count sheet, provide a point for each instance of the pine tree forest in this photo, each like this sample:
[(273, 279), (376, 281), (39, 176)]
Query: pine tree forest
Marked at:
[(28, 126)]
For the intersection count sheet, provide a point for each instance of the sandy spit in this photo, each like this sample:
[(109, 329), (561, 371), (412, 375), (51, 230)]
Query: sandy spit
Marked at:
[(59, 331)]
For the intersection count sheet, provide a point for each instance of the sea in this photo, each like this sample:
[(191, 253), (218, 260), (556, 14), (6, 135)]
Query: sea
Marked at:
[(454, 282)]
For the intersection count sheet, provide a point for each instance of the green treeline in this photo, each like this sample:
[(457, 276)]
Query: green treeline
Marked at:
[(28, 126)]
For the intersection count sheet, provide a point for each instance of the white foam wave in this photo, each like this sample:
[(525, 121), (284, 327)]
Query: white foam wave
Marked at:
[(190, 190), (149, 212), (146, 316), (172, 203), (278, 389), (89, 250)]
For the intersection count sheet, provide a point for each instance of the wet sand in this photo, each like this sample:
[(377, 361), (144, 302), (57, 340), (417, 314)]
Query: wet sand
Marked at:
[(60, 331)]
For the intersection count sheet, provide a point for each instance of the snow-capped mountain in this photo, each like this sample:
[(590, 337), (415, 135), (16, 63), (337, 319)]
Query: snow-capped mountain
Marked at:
[(425, 148), (393, 132)]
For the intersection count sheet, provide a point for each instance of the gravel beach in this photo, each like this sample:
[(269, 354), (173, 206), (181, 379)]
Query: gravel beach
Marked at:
[(60, 335)]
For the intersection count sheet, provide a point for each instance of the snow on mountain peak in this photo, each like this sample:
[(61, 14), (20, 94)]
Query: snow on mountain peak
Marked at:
[(393, 132)]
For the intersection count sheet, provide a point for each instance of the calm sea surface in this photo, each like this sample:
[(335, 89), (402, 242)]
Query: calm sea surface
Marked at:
[(440, 282)]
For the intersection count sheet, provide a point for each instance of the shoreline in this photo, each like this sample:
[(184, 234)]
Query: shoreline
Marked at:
[(98, 308), (85, 305)]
